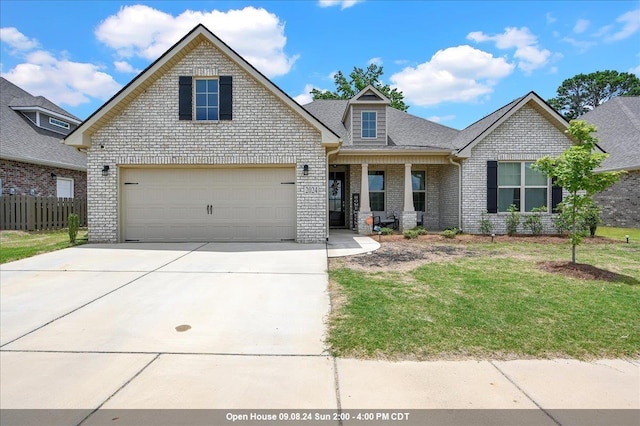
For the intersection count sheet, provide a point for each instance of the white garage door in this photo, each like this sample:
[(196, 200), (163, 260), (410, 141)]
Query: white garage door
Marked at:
[(249, 204)]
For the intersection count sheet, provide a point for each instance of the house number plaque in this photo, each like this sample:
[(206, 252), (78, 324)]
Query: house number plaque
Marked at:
[(311, 189)]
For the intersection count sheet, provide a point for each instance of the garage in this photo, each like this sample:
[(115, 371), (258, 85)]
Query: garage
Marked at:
[(208, 204)]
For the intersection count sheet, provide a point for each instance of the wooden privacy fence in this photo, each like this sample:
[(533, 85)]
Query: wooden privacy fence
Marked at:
[(27, 213)]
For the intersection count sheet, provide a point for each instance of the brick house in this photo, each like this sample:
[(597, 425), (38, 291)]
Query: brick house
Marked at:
[(201, 146), (618, 123), (33, 159)]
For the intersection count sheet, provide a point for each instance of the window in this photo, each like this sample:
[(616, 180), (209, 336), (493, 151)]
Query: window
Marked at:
[(519, 184), (376, 191), (369, 127), (207, 99), (418, 186), (58, 123), (64, 188)]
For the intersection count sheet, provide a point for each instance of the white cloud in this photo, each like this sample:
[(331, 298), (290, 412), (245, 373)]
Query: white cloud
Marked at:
[(376, 60), (581, 26), (630, 25), (146, 32), (344, 4), (582, 45), (530, 56), (61, 80), (17, 40), (125, 67), (635, 70), (441, 118), (550, 18), (455, 74), (304, 97)]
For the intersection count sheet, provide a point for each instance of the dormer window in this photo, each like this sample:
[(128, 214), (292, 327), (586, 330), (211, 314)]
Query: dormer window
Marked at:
[(59, 123), (369, 125)]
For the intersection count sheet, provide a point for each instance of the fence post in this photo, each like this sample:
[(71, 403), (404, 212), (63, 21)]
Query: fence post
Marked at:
[(31, 207)]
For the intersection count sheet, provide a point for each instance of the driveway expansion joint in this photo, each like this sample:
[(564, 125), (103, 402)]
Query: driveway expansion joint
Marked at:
[(525, 393)]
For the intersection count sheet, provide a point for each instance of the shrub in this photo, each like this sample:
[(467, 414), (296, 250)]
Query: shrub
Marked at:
[(512, 220), (421, 230), (486, 226), (386, 231), (592, 219), (74, 224), (533, 222), (410, 234), (561, 221), (449, 233)]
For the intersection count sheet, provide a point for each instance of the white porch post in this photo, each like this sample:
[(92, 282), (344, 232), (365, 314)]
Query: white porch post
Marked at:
[(408, 190), (364, 189)]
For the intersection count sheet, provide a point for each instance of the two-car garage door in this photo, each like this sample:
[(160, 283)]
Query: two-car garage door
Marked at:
[(208, 204)]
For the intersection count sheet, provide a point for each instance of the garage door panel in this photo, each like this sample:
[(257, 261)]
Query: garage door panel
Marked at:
[(247, 204)]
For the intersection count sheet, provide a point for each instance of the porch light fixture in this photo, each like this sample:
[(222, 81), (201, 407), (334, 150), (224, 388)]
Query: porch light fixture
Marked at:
[(305, 170), (53, 176), (105, 170)]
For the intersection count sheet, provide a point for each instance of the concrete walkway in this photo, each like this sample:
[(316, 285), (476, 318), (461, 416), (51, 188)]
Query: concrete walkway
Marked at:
[(98, 333), (344, 242)]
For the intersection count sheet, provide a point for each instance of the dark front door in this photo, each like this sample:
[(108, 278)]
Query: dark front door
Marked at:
[(336, 199)]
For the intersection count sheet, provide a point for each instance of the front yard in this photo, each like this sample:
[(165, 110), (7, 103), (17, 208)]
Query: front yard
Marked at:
[(15, 245), (433, 298)]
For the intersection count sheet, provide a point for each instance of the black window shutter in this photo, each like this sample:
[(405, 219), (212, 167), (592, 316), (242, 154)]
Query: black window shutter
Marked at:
[(492, 187), (226, 97), (185, 102), (556, 196)]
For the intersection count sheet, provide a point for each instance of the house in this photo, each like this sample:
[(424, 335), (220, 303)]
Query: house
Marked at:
[(618, 123), (33, 159), (201, 146)]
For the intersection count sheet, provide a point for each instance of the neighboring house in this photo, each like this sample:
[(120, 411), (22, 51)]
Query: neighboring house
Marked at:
[(33, 158), (618, 123), (201, 146)]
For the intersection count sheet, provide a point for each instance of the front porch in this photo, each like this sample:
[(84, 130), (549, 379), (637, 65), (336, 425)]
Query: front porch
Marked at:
[(416, 190)]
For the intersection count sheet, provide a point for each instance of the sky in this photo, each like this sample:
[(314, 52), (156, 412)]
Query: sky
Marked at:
[(454, 61)]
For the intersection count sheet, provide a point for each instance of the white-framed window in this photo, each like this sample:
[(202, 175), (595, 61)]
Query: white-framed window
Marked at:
[(376, 190), (207, 99), (522, 186), (418, 185), (64, 187), (59, 123), (369, 124)]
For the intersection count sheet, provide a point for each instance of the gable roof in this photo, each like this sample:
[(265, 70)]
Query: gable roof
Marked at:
[(476, 132), (23, 141), (404, 131), (81, 137), (618, 123)]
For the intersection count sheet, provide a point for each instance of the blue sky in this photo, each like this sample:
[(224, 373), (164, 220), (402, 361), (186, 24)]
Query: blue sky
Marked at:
[(455, 61)]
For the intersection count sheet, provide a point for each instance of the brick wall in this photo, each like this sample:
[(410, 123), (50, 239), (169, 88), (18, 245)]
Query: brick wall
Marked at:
[(23, 177), (525, 136), (263, 131), (621, 202)]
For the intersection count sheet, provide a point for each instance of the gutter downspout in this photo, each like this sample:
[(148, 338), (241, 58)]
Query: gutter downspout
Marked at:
[(326, 183), (459, 191)]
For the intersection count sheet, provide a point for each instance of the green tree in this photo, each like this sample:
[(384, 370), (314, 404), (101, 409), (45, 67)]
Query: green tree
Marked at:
[(358, 80), (583, 92), (573, 170)]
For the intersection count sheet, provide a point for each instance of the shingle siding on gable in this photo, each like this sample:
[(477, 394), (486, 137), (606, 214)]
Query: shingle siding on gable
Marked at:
[(525, 136), (621, 202), (381, 133), (263, 131)]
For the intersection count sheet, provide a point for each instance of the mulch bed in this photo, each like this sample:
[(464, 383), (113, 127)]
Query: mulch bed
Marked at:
[(581, 271)]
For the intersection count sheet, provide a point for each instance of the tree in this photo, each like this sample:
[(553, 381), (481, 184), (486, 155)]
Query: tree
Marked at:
[(583, 92), (573, 170), (358, 80)]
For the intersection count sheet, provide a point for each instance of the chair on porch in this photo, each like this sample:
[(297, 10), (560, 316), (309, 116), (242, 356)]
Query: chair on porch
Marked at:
[(386, 220), (420, 219)]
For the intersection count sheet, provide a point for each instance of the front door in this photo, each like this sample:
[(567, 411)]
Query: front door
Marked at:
[(336, 199)]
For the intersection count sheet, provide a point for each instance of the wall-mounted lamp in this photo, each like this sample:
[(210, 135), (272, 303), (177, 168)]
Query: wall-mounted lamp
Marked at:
[(305, 170), (105, 170), (53, 176)]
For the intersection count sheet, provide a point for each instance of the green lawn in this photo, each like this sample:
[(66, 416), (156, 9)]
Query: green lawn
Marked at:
[(496, 303), (618, 233), (15, 245)]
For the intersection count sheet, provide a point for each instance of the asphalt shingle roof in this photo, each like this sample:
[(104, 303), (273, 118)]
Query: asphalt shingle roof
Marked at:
[(22, 140), (618, 123)]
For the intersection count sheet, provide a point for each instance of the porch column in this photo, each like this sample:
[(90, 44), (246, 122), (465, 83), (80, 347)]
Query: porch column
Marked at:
[(408, 216), (364, 189), (408, 190)]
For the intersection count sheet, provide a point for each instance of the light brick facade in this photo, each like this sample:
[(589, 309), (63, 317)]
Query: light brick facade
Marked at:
[(264, 131), (524, 136)]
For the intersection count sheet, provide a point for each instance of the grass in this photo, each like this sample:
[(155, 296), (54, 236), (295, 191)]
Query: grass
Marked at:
[(16, 245), (495, 304), (618, 233)]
